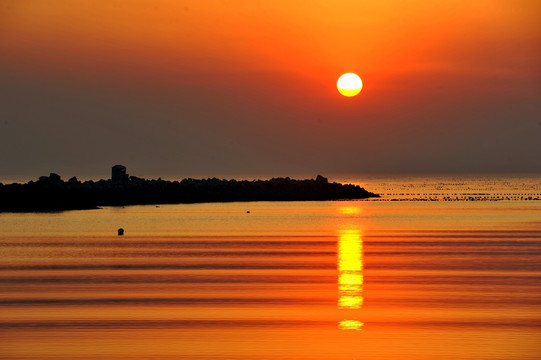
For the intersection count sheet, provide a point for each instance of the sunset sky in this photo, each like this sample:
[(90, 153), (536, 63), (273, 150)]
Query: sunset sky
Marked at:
[(249, 87)]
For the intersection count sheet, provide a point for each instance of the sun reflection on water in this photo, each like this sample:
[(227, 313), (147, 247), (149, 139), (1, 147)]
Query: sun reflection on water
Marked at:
[(350, 275), (350, 325), (349, 210), (350, 267)]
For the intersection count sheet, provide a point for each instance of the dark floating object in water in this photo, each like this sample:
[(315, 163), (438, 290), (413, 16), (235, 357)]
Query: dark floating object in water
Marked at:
[(120, 232)]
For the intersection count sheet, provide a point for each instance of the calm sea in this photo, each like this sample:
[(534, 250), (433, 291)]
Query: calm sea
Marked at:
[(438, 268)]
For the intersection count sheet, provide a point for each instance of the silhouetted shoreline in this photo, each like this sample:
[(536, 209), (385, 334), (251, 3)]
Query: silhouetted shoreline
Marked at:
[(51, 193)]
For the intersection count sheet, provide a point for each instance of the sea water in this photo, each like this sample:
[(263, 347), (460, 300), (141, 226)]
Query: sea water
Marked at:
[(438, 268)]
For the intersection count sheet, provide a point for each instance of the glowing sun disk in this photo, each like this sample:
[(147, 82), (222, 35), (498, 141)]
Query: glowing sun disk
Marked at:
[(349, 84)]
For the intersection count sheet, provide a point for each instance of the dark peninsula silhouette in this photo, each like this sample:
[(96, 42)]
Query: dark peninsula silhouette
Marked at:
[(51, 193)]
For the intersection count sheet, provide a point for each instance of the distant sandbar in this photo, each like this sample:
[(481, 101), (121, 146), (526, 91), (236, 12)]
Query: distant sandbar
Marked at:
[(51, 193)]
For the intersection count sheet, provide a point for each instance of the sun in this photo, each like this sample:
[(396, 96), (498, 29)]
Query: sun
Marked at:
[(349, 84)]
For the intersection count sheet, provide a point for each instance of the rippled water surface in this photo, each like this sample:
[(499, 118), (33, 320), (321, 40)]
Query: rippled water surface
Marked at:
[(301, 280)]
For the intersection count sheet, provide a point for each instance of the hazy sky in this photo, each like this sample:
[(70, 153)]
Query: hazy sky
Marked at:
[(249, 87)]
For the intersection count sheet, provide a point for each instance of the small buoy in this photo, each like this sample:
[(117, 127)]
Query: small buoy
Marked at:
[(120, 232)]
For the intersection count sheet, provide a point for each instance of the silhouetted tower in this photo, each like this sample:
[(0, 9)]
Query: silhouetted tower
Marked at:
[(118, 174)]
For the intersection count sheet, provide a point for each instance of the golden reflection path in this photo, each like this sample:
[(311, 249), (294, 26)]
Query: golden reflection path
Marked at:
[(350, 275)]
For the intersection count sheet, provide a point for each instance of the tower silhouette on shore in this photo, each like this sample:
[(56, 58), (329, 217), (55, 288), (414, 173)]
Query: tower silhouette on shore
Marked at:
[(118, 174)]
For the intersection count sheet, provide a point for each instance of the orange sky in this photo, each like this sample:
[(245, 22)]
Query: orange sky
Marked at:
[(193, 87)]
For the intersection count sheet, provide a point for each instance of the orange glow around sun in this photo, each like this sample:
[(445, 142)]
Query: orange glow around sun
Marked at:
[(349, 84)]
